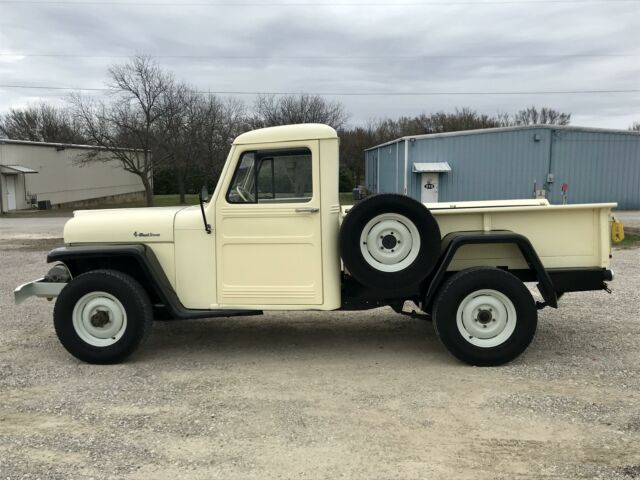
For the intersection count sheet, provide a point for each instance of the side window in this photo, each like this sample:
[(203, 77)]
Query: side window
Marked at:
[(242, 189), (273, 176)]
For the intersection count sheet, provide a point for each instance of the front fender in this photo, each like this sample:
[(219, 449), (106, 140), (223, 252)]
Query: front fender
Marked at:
[(138, 261)]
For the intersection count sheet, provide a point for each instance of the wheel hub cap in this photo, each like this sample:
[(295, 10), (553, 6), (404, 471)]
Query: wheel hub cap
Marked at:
[(486, 318), (390, 242), (99, 319)]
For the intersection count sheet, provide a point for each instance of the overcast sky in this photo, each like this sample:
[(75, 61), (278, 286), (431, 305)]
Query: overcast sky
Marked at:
[(359, 46)]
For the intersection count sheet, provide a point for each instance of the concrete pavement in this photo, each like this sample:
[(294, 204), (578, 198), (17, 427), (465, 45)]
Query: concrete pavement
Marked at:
[(31, 227), (630, 219)]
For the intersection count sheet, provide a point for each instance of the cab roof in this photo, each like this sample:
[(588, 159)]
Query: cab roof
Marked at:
[(284, 133)]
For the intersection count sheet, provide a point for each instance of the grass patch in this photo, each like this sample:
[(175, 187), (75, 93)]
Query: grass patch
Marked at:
[(158, 201), (631, 240), (346, 198)]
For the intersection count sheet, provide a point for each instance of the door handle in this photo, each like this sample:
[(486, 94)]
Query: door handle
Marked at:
[(307, 210)]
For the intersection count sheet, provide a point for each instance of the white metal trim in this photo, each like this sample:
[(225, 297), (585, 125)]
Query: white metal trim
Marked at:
[(431, 167), (406, 164), (508, 129)]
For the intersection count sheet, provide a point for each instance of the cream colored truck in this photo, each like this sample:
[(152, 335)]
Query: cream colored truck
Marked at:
[(273, 236)]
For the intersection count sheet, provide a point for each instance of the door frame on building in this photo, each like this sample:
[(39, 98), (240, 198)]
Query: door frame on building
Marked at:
[(430, 179), (429, 187), (13, 172), (10, 182)]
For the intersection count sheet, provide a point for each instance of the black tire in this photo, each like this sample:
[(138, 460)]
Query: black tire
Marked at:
[(132, 297), (454, 292), (365, 271)]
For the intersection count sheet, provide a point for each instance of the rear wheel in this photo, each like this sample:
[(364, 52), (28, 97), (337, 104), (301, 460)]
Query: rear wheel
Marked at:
[(485, 316), (102, 316), (389, 241)]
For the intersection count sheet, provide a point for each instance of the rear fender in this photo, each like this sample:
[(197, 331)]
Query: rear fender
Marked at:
[(453, 241)]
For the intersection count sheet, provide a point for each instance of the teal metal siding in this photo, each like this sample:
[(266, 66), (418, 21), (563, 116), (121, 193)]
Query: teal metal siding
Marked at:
[(387, 170), (371, 169), (491, 166), (598, 166)]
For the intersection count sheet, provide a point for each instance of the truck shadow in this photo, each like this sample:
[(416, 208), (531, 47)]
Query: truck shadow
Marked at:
[(295, 334)]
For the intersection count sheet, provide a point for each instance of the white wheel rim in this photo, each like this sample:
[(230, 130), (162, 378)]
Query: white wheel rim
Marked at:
[(99, 319), (390, 242), (486, 318)]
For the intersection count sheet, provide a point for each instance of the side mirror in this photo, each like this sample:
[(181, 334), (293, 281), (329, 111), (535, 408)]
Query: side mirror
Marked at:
[(204, 194)]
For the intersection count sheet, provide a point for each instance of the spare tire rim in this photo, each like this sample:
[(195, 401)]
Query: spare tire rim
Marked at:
[(99, 319), (390, 242), (486, 318)]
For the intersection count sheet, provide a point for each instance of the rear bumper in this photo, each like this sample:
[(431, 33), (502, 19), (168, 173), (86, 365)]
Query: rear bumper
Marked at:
[(37, 288), (566, 280), (580, 279)]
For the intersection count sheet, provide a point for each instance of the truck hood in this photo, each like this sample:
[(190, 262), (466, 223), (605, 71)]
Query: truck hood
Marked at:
[(122, 225)]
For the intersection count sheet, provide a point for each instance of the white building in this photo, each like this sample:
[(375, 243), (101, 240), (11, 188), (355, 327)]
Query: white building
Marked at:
[(32, 172)]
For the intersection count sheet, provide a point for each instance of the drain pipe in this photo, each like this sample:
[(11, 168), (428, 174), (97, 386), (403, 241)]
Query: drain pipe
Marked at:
[(1, 194), (406, 163), (1, 177)]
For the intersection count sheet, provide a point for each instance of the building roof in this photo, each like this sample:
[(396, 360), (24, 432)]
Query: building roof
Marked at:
[(19, 168), (60, 146), (505, 129), (304, 131)]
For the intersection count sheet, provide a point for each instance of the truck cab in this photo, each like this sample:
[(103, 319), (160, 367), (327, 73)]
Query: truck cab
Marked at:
[(273, 236)]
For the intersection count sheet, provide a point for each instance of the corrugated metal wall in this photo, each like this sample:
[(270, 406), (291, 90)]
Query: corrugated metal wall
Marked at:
[(371, 170), (491, 166), (598, 167), (504, 164), (61, 179)]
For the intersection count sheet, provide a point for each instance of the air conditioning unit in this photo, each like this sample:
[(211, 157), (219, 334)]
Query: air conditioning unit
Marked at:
[(32, 200)]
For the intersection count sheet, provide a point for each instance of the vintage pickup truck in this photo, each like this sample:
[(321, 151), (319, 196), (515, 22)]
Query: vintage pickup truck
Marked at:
[(273, 236)]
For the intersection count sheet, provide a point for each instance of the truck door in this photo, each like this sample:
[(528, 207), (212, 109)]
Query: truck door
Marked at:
[(268, 227)]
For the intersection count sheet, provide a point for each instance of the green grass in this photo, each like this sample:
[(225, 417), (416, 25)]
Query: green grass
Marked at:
[(158, 201), (346, 198), (631, 240)]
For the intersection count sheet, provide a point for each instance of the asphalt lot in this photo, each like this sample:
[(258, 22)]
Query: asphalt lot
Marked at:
[(322, 395)]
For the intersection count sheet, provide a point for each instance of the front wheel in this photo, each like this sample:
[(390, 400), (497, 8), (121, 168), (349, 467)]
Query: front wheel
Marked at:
[(102, 316), (485, 316)]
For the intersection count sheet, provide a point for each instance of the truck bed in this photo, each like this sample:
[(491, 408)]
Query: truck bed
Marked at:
[(564, 236)]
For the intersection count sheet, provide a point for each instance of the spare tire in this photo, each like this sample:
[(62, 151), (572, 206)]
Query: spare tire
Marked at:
[(389, 241)]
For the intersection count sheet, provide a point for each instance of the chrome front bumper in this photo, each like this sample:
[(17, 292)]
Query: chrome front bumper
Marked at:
[(37, 288)]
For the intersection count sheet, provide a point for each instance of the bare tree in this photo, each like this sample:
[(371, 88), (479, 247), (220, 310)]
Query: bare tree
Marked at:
[(271, 110), (533, 116), (635, 127), (41, 123), (353, 143), (180, 123), (223, 121), (129, 119)]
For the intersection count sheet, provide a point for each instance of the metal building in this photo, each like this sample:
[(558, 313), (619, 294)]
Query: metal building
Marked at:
[(33, 172), (561, 163)]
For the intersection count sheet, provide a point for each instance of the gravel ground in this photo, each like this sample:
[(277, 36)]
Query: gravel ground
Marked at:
[(322, 395)]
